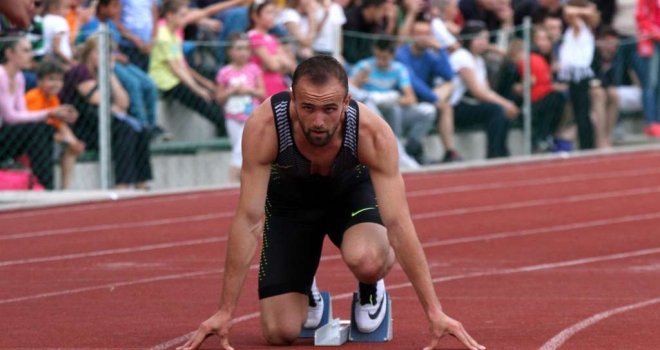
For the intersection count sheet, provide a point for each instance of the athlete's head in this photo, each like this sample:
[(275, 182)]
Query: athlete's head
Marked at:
[(319, 94)]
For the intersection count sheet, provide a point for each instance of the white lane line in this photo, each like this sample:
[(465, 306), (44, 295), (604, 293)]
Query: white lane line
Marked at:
[(97, 253), (419, 216), (559, 339), (538, 202), (547, 266), (534, 182), (132, 202), (451, 241), (121, 226), (228, 192)]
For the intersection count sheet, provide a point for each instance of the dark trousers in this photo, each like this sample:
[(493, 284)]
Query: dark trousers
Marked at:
[(35, 139), (492, 116), (208, 110), (130, 148), (581, 101), (546, 115), (136, 57)]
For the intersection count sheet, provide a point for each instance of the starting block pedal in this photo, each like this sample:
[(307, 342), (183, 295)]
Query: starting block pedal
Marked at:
[(327, 317), (382, 334), (334, 333)]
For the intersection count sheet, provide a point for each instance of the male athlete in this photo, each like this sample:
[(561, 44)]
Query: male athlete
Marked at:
[(314, 162)]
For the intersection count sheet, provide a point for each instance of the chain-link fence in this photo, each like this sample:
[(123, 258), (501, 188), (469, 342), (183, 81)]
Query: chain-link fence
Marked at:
[(142, 121)]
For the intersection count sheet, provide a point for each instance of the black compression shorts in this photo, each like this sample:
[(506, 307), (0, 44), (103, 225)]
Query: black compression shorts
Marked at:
[(293, 237)]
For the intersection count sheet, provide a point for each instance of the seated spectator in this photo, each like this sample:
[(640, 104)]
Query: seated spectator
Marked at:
[(23, 131), (135, 81), (240, 90), (473, 100), (172, 75), (50, 77), (137, 24), (481, 10), (387, 85), (267, 53), (617, 89), (576, 54), (548, 97), (57, 35), (446, 22), (431, 76), (130, 141), (648, 49), (369, 17)]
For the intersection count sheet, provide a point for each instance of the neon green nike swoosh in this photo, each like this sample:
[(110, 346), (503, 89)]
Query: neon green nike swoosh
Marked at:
[(361, 210)]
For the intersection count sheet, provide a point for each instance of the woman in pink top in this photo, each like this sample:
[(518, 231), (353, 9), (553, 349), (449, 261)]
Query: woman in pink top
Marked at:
[(267, 52), (23, 131)]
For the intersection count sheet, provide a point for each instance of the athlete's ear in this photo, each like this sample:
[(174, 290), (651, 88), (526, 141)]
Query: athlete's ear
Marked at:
[(347, 99)]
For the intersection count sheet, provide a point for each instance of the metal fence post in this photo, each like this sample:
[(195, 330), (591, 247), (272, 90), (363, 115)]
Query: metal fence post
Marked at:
[(104, 71), (527, 86)]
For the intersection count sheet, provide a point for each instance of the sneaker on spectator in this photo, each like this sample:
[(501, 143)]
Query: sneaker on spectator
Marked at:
[(561, 145), (315, 309), (371, 307)]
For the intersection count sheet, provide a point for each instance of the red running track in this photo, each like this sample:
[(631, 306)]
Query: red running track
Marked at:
[(543, 255)]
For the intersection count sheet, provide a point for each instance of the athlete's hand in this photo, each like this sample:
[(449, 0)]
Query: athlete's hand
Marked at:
[(444, 325), (218, 324)]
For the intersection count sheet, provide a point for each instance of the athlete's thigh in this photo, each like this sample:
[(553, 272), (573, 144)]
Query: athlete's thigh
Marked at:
[(290, 255)]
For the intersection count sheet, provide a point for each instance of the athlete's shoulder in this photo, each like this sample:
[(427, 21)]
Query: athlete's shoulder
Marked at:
[(375, 136), (259, 135)]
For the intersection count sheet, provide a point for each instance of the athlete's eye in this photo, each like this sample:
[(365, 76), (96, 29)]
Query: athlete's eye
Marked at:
[(307, 108), (330, 109)]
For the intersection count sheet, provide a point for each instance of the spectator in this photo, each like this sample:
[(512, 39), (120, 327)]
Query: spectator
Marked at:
[(617, 90), (431, 76), (137, 24), (23, 131), (240, 90), (446, 22), (537, 10), (135, 81), (267, 53), (481, 10), (370, 17), (301, 20), (473, 100), (50, 77), (648, 25), (173, 77), (387, 84), (329, 39), (56, 31), (548, 97), (576, 54), (130, 142)]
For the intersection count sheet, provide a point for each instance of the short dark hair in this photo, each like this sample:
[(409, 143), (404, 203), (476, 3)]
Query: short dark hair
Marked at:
[(172, 6), (319, 69), (606, 31), (48, 67), (385, 44)]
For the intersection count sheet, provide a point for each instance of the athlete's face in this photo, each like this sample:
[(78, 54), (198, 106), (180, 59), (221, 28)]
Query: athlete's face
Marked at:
[(320, 109)]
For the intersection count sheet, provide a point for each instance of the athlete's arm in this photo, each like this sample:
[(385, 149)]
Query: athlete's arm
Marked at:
[(376, 139), (259, 150)]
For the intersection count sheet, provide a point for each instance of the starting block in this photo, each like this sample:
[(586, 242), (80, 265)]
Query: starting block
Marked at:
[(382, 334), (334, 333), (327, 317)]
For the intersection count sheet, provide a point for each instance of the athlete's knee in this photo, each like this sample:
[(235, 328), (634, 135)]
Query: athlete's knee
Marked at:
[(281, 334), (369, 262)]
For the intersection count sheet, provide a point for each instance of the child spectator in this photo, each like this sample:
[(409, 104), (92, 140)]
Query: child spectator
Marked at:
[(23, 131), (57, 35), (576, 54), (172, 75), (240, 89), (301, 20), (328, 41), (387, 85), (267, 53), (50, 77)]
